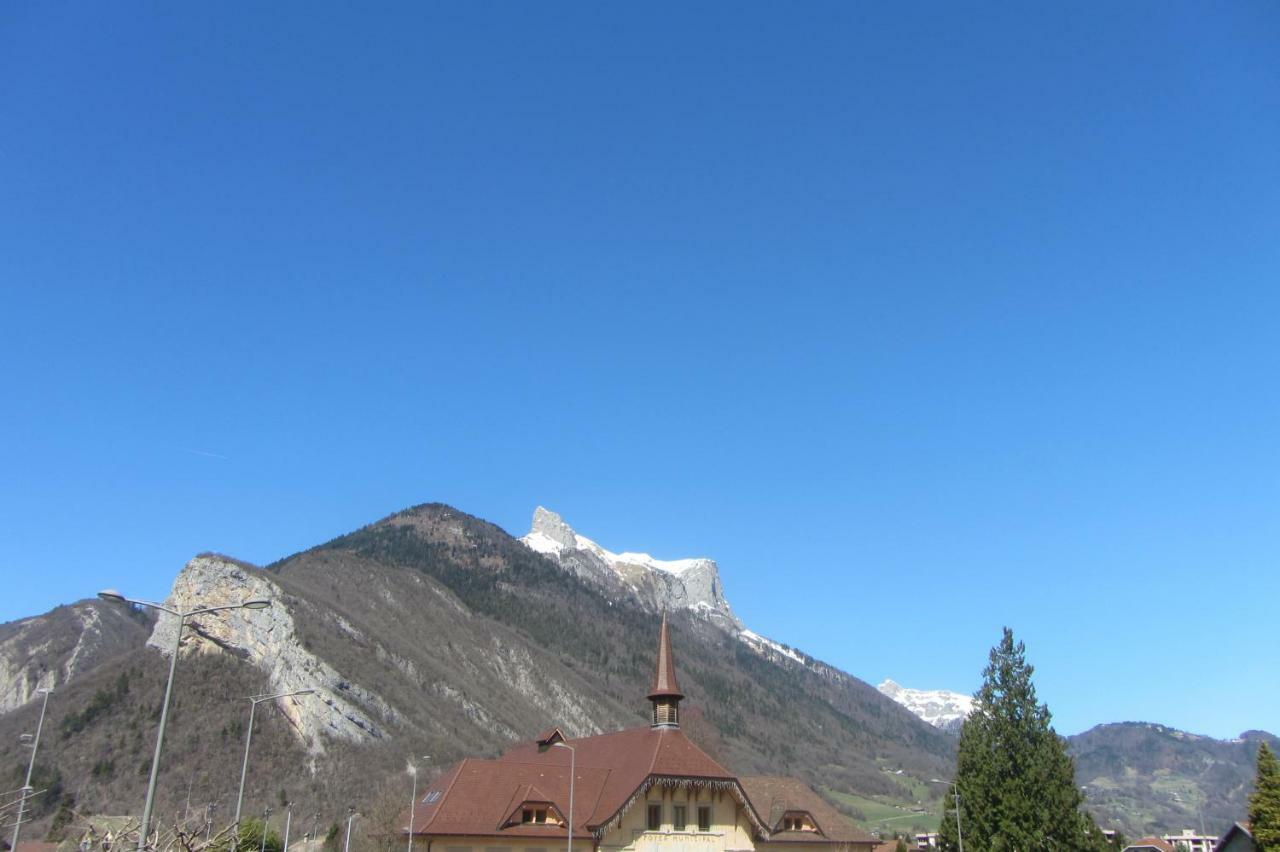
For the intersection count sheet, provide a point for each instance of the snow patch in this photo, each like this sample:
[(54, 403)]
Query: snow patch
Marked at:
[(939, 707), (760, 643)]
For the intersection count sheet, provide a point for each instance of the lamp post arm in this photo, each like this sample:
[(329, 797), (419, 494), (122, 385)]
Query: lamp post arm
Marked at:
[(258, 699), (208, 609), (154, 605)]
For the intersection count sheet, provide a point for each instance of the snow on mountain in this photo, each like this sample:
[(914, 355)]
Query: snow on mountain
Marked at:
[(694, 584), (939, 707), (657, 583), (546, 538), (769, 648)]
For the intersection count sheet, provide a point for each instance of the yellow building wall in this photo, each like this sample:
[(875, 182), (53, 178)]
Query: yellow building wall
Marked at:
[(502, 844), (730, 830)]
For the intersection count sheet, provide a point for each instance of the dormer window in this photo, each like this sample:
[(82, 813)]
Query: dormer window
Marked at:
[(536, 813), (798, 821)]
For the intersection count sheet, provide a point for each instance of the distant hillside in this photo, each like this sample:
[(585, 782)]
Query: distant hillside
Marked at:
[(48, 651), (1148, 778)]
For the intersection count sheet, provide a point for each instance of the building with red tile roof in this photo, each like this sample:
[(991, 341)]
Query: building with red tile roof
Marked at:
[(647, 789), (1149, 844)]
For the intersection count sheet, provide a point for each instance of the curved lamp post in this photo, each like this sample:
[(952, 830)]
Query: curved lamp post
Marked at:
[(573, 759), (26, 786), (956, 792), (413, 798), (351, 815), (115, 597), (254, 701)]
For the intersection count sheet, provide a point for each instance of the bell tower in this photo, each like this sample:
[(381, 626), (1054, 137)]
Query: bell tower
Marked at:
[(665, 694)]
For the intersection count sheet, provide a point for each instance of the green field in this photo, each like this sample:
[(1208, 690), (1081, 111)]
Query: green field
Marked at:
[(888, 815)]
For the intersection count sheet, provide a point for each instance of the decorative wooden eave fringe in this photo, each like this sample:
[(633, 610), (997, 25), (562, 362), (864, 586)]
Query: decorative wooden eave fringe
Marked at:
[(680, 783)]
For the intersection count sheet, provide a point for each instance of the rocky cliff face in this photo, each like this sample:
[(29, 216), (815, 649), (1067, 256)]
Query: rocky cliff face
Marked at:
[(51, 650), (654, 583), (267, 639)]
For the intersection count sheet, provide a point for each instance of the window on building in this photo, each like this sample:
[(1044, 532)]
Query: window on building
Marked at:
[(797, 822), (704, 817), (655, 817), (680, 818), (534, 815)]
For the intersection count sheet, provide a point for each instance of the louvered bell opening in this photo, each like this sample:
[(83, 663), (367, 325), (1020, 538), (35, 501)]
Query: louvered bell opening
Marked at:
[(666, 711)]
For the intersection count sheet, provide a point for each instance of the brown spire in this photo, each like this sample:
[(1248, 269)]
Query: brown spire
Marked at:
[(665, 693)]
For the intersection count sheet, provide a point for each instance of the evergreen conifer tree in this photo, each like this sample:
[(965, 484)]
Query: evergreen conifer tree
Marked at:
[(1264, 802), (1014, 780)]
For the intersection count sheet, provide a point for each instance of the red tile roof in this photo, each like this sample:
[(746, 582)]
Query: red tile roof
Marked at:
[(1150, 843), (774, 795), (477, 796)]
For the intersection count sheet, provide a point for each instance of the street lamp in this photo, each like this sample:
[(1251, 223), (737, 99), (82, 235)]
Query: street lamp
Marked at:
[(266, 817), (573, 760), (413, 799), (115, 597), (351, 814), (956, 791), (208, 821), (288, 818), (254, 701), (26, 787)]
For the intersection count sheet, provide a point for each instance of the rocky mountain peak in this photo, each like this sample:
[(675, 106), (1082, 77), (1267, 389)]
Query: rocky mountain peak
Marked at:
[(547, 523), (657, 584), (939, 707)]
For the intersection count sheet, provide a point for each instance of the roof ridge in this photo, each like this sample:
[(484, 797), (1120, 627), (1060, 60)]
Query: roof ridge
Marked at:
[(653, 759), (457, 773), (595, 806)]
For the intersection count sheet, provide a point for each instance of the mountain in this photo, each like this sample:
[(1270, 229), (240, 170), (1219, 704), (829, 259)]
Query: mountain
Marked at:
[(653, 583), (48, 651), (434, 632), (939, 707), (1148, 778), (1142, 778), (657, 585)]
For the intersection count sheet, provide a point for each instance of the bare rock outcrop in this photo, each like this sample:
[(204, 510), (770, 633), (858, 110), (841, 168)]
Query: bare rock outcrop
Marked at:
[(49, 651), (268, 639)]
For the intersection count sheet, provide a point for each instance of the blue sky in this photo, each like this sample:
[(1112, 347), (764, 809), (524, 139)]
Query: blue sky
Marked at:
[(922, 320)]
